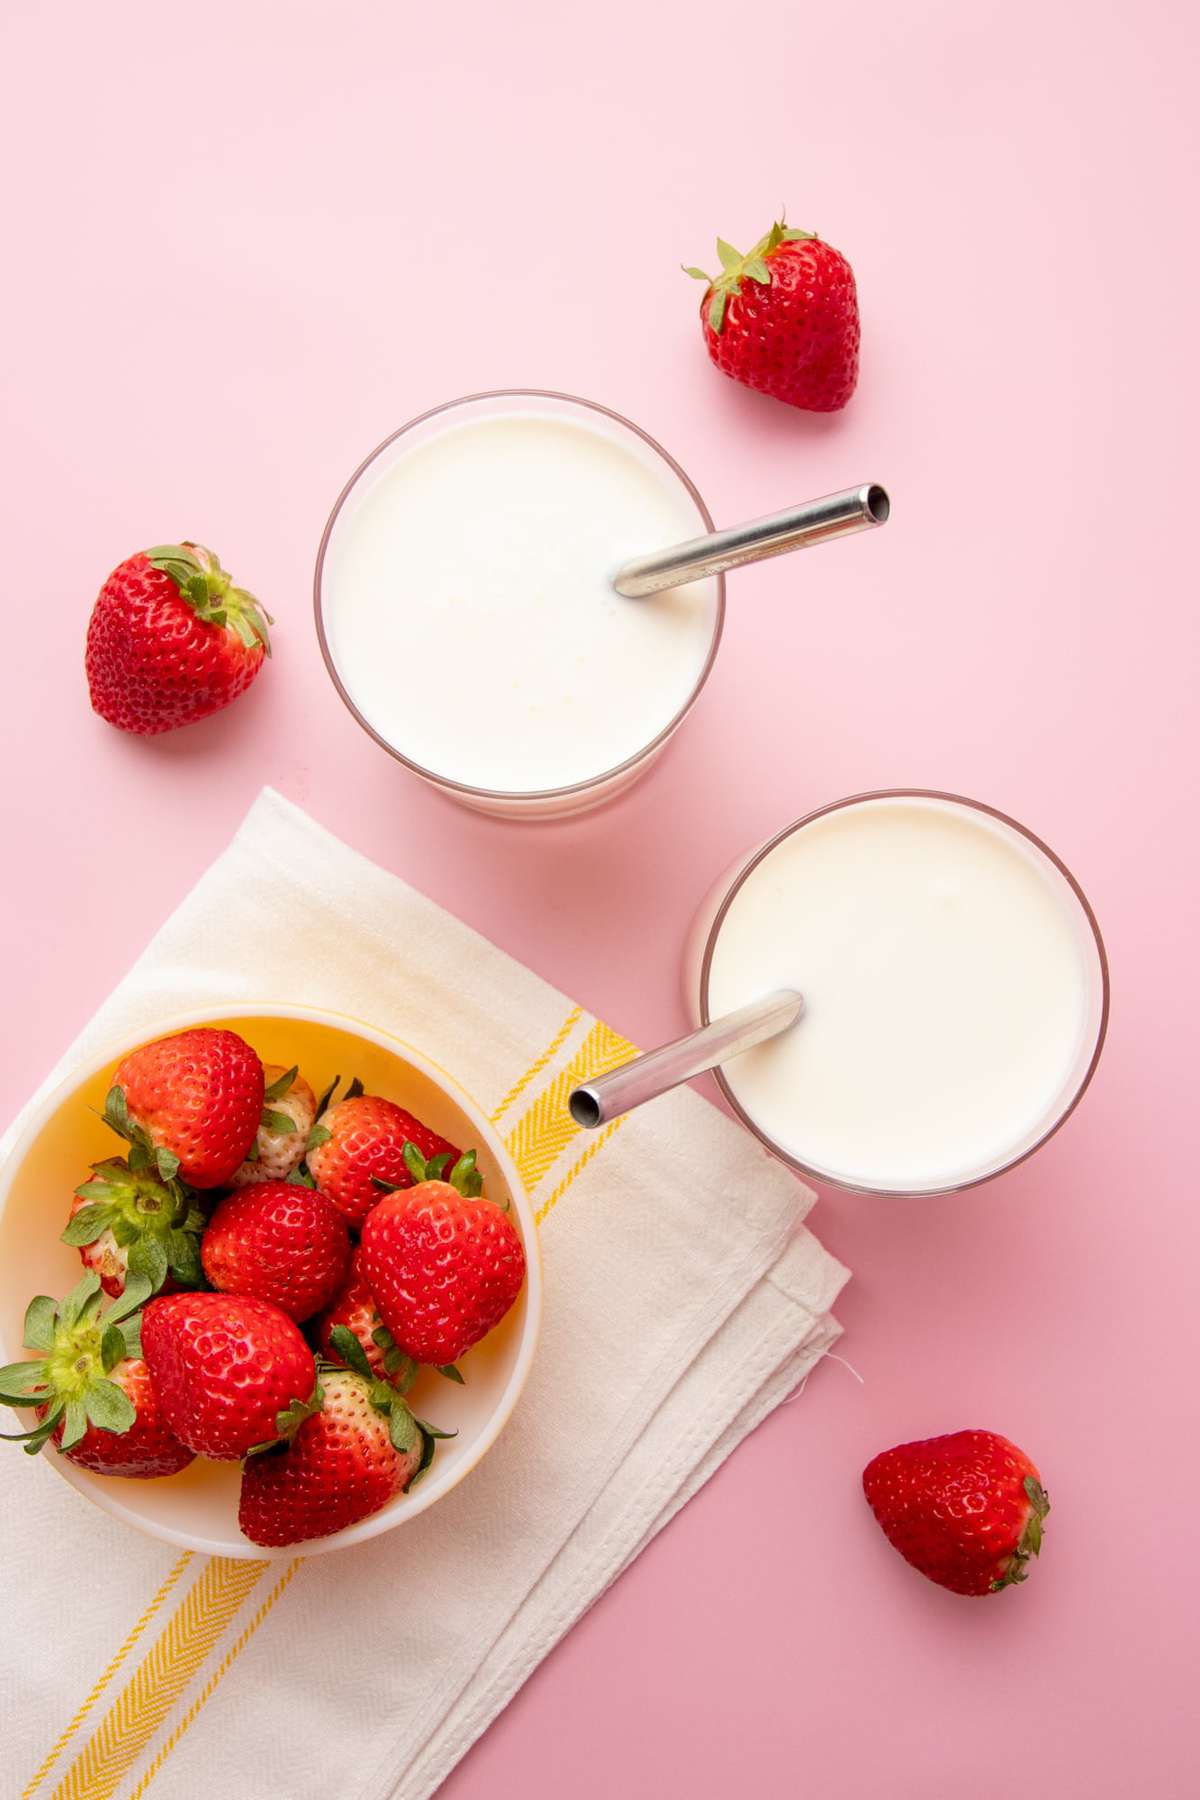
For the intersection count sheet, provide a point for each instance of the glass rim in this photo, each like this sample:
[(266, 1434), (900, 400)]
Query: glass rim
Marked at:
[(764, 850), (516, 796)]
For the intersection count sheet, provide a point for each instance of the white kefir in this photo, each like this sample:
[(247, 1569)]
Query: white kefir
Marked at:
[(467, 602), (953, 989)]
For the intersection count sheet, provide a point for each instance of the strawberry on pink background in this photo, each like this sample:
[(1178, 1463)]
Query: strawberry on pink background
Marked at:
[(171, 640), (966, 1510), (784, 318), (193, 1101)]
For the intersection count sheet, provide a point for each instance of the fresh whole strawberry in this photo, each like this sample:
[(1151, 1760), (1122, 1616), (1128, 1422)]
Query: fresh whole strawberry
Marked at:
[(171, 640), (231, 1371), (357, 1152), (191, 1104), (444, 1264), (784, 319), (91, 1389), (123, 1219), (354, 1309), (966, 1510), (346, 1461), (281, 1241), (289, 1108)]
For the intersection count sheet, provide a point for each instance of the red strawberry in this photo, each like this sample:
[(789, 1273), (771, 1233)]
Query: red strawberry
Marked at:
[(357, 1151), (289, 1108), (784, 319), (346, 1461), (354, 1308), (91, 1389), (122, 1215), (443, 1263), (281, 1241), (193, 1102), (171, 640), (231, 1371), (966, 1509)]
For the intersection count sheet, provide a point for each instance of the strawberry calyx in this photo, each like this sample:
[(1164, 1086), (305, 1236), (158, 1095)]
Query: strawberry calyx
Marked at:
[(289, 1419), (1030, 1543), (736, 268), (210, 592), (79, 1347), (156, 1221)]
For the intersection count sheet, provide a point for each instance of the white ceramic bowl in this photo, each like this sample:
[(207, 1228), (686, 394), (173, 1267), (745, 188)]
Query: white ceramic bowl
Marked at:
[(197, 1509)]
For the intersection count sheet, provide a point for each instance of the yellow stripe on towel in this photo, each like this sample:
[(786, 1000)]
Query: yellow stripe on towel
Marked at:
[(541, 1136), (86, 1704), (184, 1642)]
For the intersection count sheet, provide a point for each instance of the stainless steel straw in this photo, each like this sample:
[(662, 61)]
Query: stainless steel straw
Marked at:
[(652, 1074), (814, 522)]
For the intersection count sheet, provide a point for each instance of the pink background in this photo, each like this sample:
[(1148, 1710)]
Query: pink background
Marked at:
[(245, 243)]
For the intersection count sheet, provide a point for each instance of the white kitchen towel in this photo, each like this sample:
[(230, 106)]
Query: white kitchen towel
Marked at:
[(684, 1300)]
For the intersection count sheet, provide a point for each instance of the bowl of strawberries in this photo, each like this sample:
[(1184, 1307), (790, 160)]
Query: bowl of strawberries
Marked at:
[(267, 1279)]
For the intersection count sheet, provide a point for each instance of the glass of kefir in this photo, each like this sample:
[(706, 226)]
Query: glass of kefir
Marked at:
[(466, 612), (955, 986)]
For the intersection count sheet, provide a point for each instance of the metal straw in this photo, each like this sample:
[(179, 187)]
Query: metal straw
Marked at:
[(814, 522), (652, 1074)]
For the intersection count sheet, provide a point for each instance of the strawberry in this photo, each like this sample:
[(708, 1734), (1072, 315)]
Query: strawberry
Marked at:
[(346, 1461), (280, 1241), (443, 1263), (289, 1108), (91, 1389), (191, 1103), (966, 1509), (356, 1151), (784, 319), (171, 640), (354, 1309), (124, 1219), (231, 1371)]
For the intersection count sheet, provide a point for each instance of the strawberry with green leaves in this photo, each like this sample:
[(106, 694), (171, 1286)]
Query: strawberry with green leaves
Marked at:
[(90, 1386), (783, 319), (443, 1263), (171, 640), (357, 1451), (289, 1110), (125, 1220), (189, 1104)]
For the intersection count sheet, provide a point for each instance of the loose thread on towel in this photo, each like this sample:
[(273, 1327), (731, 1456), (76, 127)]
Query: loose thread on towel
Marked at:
[(832, 1357)]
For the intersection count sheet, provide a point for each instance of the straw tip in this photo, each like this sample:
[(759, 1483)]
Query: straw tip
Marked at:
[(584, 1108), (879, 503)]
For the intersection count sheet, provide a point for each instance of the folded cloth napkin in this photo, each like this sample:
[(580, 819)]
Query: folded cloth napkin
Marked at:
[(684, 1300)]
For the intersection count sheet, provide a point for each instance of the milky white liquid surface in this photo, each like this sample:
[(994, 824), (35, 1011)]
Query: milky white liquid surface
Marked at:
[(950, 981), (468, 606)]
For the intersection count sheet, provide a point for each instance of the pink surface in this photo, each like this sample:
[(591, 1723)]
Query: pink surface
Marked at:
[(246, 244)]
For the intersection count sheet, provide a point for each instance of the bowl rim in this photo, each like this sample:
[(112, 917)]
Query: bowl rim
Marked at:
[(105, 1493)]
